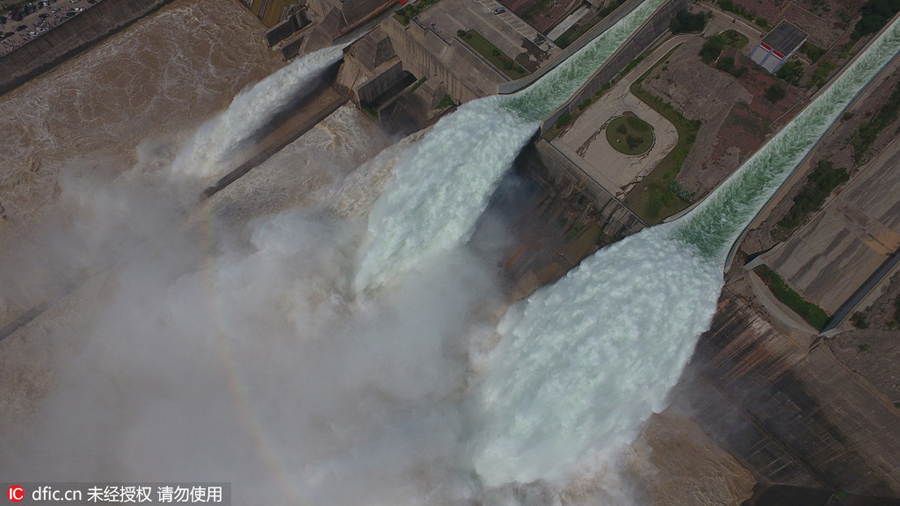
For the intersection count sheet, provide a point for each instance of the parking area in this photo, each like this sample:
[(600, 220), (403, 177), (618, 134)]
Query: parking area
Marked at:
[(504, 29), (24, 22)]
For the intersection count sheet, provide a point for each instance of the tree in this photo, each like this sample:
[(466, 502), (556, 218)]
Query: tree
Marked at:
[(712, 48), (726, 64), (685, 22)]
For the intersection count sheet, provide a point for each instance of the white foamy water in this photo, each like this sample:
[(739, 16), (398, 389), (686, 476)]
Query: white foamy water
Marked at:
[(445, 183), (583, 363), (204, 156)]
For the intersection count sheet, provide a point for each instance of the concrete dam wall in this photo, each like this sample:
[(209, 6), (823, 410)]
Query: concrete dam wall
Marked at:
[(792, 416), (71, 38)]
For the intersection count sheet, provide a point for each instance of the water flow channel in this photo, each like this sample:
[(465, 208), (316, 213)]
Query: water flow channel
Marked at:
[(582, 363)]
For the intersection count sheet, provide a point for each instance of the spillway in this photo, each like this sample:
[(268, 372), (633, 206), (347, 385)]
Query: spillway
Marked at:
[(250, 110), (582, 363), (443, 185)]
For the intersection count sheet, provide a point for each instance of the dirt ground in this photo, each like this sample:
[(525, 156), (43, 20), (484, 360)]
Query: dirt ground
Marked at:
[(736, 117), (826, 21)]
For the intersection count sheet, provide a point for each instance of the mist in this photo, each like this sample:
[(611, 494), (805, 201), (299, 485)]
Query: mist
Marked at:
[(240, 353)]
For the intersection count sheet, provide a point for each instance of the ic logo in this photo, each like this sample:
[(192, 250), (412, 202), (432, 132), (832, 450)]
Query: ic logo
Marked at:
[(15, 493)]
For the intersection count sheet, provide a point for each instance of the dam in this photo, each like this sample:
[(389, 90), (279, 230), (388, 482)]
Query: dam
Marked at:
[(304, 322)]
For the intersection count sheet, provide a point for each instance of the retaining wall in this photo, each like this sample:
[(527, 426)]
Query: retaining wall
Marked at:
[(619, 221)]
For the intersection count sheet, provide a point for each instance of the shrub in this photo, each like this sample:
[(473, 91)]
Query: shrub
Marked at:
[(460, 33), (621, 129), (859, 320), (633, 142), (812, 51), (563, 120), (820, 75), (446, 101), (775, 93), (791, 72), (586, 102), (679, 191), (875, 14)]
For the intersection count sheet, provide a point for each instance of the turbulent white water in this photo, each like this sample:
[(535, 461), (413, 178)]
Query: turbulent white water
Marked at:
[(249, 111), (443, 185), (581, 364)]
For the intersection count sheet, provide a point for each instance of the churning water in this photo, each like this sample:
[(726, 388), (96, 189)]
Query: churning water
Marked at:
[(249, 111), (443, 185), (582, 363), (253, 360)]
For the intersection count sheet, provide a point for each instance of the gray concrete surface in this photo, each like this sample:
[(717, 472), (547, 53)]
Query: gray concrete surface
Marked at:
[(505, 31), (587, 135), (830, 257)]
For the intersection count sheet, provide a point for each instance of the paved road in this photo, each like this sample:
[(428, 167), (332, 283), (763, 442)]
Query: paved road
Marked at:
[(585, 140), (518, 25)]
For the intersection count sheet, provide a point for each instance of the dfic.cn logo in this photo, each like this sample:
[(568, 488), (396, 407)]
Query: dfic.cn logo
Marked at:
[(15, 493)]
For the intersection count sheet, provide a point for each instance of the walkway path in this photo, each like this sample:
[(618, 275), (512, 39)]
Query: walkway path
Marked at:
[(586, 138)]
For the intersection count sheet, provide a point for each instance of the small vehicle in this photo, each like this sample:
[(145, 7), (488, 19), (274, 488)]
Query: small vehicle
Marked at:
[(499, 10), (21, 27)]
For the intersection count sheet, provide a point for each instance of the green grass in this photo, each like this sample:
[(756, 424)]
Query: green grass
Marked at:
[(653, 200), (629, 135), (494, 55), (813, 314), (410, 11)]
